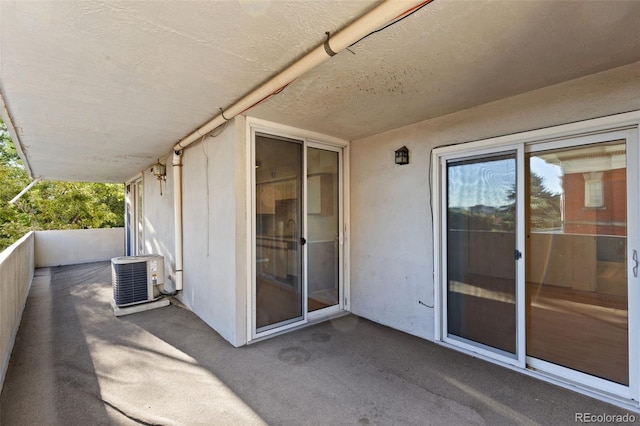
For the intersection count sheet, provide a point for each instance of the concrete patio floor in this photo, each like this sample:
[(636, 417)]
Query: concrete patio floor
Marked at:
[(75, 363)]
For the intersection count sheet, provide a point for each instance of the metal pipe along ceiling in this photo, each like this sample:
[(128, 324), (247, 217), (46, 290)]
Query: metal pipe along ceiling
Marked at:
[(371, 21)]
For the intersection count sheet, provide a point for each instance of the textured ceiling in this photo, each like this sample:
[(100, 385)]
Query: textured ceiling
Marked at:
[(454, 55), (99, 90)]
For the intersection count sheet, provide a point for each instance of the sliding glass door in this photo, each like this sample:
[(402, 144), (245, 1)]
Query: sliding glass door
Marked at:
[(539, 258), (279, 291), (577, 275), (323, 228), (481, 251), (134, 217), (298, 238)]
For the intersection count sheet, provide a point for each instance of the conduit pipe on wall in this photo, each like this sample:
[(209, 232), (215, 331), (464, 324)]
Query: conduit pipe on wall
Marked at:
[(367, 23), (177, 215)]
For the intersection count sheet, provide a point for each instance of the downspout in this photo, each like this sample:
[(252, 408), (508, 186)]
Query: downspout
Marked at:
[(371, 21), (177, 214)]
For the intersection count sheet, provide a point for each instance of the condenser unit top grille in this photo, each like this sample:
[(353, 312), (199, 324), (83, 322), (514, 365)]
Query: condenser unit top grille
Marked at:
[(134, 259)]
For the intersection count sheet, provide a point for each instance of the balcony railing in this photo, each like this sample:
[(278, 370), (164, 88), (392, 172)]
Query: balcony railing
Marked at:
[(43, 249)]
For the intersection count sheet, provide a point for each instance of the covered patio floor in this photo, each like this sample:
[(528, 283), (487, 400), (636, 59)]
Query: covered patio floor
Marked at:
[(75, 363)]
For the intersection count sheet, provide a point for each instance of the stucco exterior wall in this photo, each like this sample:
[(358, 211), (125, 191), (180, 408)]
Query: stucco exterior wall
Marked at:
[(71, 246), (214, 227), (158, 219), (391, 223)]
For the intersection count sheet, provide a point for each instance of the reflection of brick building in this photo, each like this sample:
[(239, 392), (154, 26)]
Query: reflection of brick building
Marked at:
[(595, 203), (594, 181)]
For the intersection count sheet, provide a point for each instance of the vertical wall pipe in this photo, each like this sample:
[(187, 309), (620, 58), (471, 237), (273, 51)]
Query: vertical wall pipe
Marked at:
[(177, 215)]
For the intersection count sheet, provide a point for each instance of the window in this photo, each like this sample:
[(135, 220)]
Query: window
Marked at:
[(593, 190)]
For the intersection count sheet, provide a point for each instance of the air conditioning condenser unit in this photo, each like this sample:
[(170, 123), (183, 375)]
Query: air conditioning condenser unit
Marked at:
[(134, 279)]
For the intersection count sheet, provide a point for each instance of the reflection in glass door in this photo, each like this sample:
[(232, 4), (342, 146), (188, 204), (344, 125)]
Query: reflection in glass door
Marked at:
[(565, 310), (134, 218), (481, 242), (323, 228), (577, 284), (279, 291), (139, 217)]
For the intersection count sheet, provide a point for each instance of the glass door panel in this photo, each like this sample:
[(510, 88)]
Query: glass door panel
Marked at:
[(481, 242), (139, 218), (576, 273), (279, 285), (323, 228), (128, 220)]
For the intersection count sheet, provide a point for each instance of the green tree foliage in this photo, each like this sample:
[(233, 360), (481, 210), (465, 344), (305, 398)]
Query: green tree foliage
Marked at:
[(51, 205), (545, 208), (544, 213), (545, 205), (13, 222)]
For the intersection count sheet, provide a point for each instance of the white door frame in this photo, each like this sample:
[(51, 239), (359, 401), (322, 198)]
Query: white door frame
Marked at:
[(331, 310), (633, 283), (133, 206), (307, 139), (518, 359), (590, 131)]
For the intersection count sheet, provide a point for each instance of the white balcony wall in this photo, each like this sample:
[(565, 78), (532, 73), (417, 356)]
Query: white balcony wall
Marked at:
[(159, 236), (214, 231), (72, 246), (391, 224), (16, 270)]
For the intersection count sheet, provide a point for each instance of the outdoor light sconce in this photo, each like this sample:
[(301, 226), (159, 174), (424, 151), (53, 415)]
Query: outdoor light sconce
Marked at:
[(402, 156), (159, 170)]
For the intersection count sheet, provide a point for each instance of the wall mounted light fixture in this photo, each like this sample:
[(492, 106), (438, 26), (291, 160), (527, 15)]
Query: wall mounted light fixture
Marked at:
[(402, 156), (159, 170)]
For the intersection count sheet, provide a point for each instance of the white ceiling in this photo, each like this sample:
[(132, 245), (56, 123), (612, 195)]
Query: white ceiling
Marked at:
[(98, 91)]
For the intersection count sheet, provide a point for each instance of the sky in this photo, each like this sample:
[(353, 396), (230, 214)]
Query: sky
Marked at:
[(489, 183)]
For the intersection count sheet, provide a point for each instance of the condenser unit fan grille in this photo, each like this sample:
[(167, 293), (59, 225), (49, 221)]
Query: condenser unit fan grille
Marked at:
[(130, 283)]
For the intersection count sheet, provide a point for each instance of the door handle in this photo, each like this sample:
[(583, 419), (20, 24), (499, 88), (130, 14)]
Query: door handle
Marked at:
[(303, 241), (635, 260)]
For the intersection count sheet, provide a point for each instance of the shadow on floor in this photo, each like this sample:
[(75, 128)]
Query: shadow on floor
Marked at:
[(75, 363)]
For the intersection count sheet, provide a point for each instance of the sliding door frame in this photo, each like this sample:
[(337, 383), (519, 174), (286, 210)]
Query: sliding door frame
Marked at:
[(340, 306), (589, 131), (633, 283), (134, 209), (308, 140), (518, 359)]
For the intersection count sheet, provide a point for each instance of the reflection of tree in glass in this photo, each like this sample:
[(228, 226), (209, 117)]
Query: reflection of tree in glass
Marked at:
[(482, 218), (460, 218), (545, 210)]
